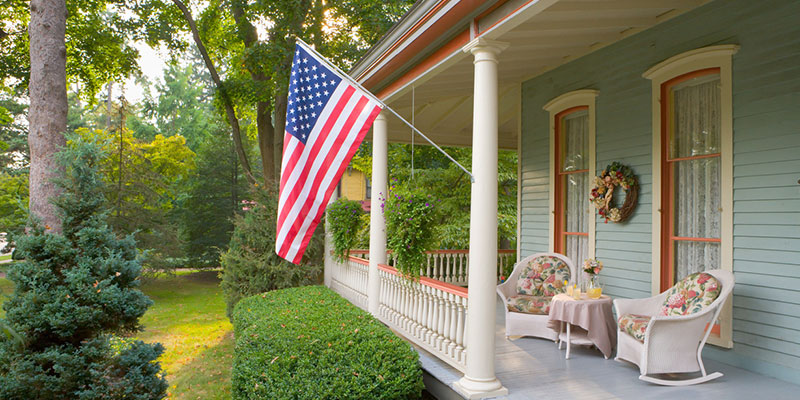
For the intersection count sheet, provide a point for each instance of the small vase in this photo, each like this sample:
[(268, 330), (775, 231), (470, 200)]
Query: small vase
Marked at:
[(594, 282)]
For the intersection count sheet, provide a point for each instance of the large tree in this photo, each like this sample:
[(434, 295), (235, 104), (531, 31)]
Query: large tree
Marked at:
[(253, 43)]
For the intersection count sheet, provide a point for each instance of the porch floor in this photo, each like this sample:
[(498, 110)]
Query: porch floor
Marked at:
[(533, 368)]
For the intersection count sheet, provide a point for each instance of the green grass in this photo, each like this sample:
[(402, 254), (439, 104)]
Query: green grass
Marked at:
[(4, 257), (188, 318), (6, 287)]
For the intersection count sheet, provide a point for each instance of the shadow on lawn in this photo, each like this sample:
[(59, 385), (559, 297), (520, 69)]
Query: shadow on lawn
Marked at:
[(207, 376)]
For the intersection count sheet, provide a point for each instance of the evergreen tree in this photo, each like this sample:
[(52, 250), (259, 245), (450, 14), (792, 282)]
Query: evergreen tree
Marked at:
[(250, 266), (76, 298)]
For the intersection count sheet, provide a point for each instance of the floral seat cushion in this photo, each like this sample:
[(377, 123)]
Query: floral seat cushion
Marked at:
[(634, 325), (543, 276), (529, 304), (691, 295)]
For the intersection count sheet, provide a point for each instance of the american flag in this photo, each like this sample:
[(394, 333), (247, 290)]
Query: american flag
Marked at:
[(327, 117)]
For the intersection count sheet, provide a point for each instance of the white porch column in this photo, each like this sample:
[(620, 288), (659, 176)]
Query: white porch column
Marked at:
[(479, 380), (328, 261), (377, 224)]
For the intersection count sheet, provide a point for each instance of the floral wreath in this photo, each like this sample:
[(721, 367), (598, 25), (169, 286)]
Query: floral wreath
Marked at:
[(616, 174)]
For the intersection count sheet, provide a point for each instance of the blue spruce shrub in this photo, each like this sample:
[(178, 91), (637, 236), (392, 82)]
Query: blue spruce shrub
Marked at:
[(76, 301)]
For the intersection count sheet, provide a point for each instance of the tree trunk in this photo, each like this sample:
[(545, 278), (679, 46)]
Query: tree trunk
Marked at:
[(280, 128), (266, 140), (47, 115), (229, 111)]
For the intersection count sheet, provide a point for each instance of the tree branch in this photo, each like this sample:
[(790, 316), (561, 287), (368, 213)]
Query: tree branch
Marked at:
[(226, 101)]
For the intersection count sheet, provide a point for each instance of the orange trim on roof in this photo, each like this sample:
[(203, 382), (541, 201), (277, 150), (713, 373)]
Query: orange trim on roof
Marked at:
[(446, 22), (504, 17), (449, 48)]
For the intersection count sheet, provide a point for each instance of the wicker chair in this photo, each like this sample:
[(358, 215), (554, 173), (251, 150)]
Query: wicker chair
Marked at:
[(528, 291), (666, 333)]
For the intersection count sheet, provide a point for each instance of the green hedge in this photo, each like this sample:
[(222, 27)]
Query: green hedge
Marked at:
[(309, 343)]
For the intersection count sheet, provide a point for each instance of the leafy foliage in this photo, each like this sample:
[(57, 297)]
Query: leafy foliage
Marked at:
[(434, 174), (99, 39), (344, 222), (13, 204), (73, 293), (211, 199), (250, 265), (14, 156), (410, 219), (141, 188), (289, 347)]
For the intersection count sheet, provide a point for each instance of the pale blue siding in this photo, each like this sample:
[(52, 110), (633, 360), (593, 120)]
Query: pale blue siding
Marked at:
[(766, 85)]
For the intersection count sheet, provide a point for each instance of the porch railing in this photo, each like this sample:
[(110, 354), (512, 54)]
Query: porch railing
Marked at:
[(450, 266), (349, 279), (430, 313)]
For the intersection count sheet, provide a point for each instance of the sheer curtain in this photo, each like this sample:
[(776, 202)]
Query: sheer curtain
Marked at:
[(696, 122), (576, 185)]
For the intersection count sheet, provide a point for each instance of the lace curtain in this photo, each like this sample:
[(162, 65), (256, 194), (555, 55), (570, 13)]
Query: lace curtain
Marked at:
[(576, 185), (696, 123)]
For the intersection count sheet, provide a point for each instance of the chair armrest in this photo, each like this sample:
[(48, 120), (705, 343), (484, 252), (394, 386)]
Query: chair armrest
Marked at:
[(506, 290), (648, 306)]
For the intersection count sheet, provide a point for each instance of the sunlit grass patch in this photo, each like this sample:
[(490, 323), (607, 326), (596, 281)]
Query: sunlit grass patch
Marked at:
[(188, 318), (6, 288)]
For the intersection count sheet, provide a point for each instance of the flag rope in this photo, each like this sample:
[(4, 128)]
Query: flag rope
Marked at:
[(379, 101)]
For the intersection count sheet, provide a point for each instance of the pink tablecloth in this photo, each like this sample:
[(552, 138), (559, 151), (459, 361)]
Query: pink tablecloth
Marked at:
[(595, 316)]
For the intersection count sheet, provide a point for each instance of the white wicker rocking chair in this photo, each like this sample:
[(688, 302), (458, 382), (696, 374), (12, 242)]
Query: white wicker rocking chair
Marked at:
[(669, 344), (527, 323)]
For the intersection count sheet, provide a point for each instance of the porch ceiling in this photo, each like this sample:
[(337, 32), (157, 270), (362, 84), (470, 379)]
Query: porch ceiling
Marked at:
[(542, 35)]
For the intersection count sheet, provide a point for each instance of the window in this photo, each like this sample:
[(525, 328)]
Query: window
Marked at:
[(572, 222), (692, 225), (691, 176), (572, 183)]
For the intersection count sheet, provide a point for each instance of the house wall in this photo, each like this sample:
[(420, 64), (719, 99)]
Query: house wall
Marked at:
[(354, 186), (766, 107)]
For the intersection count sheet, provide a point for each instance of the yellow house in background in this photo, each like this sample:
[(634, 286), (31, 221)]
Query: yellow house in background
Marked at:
[(355, 185)]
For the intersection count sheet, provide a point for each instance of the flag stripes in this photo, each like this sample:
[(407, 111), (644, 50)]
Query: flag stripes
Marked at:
[(316, 156)]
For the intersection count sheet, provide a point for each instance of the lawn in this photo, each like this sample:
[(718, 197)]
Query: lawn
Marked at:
[(4, 257), (188, 318)]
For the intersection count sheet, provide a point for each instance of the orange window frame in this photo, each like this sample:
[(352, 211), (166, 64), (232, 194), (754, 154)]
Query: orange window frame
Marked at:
[(668, 237), (560, 195)]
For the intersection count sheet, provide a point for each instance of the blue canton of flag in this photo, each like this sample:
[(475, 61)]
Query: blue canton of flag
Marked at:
[(311, 87)]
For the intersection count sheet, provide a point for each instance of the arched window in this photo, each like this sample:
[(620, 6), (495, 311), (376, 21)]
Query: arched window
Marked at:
[(572, 164), (693, 169)]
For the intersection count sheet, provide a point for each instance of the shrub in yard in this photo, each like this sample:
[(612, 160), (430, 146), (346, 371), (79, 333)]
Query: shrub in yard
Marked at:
[(344, 223), (250, 265), (75, 299), (309, 343)]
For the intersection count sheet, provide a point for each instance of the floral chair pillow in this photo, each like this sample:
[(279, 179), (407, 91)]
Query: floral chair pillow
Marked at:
[(691, 295), (543, 276)]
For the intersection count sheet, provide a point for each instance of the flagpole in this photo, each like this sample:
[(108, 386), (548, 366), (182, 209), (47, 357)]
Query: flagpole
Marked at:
[(353, 81)]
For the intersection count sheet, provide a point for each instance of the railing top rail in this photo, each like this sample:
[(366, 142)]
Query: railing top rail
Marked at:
[(359, 260), (443, 286), (458, 251)]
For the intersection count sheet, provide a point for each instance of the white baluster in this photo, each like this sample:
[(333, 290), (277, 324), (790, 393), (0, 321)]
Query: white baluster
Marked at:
[(448, 312)]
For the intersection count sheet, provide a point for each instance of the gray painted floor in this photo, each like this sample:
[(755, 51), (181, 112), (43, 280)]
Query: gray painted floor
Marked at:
[(535, 369)]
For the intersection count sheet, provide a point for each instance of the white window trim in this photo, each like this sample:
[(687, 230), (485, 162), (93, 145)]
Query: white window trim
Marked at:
[(707, 57), (577, 98)]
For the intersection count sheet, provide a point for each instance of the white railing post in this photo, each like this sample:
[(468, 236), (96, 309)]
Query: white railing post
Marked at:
[(377, 227)]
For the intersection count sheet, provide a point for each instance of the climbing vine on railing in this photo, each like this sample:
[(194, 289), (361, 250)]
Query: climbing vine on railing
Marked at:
[(410, 220), (344, 222)]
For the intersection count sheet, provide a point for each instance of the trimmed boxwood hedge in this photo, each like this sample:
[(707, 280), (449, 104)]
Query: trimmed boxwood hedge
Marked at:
[(309, 343)]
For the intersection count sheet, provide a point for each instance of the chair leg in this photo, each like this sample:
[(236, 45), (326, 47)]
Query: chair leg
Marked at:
[(569, 342)]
